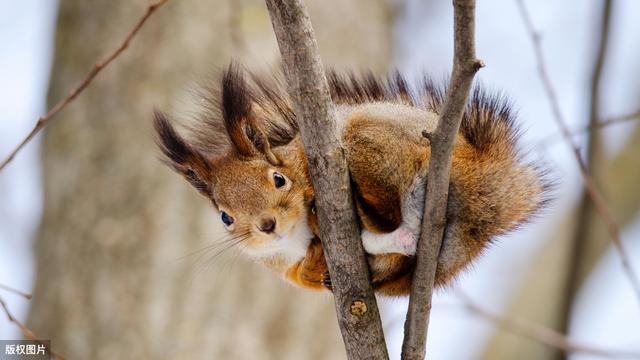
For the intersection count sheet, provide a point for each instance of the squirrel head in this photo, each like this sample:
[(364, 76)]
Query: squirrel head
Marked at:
[(258, 181)]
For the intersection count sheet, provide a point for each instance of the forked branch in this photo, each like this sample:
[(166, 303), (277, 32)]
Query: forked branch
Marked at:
[(598, 125), (592, 190), (16, 291), (26, 332)]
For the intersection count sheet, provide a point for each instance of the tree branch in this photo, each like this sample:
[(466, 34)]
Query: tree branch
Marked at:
[(465, 66), (614, 120), (592, 190), (543, 334), (99, 66), (16, 291), (24, 329), (598, 125), (307, 85), (594, 159)]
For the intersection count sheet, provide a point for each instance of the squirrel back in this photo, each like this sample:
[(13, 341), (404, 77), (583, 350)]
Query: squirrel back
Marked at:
[(246, 156)]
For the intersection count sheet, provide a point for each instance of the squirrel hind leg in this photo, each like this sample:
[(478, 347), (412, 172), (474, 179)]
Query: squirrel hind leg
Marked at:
[(400, 241), (379, 211), (404, 239)]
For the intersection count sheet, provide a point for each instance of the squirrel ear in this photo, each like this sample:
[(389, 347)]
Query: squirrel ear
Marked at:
[(182, 157), (239, 119)]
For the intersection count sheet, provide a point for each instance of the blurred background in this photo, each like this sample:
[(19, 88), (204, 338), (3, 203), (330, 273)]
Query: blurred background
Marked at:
[(107, 238)]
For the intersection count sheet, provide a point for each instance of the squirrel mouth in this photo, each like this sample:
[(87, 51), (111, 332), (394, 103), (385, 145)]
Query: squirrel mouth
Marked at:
[(281, 236), (284, 234)]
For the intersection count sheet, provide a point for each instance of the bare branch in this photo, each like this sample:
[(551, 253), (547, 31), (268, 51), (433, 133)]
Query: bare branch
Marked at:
[(592, 190), (307, 85), (24, 329), (543, 334), (16, 291), (614, 120), (598, 125), (584, 224), (99, 66), (465, 66)]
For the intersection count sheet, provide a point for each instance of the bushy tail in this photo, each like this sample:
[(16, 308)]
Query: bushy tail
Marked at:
[(493, 188)]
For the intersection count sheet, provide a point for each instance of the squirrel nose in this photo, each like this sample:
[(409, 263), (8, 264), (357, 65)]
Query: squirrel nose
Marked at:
[(267, 225)]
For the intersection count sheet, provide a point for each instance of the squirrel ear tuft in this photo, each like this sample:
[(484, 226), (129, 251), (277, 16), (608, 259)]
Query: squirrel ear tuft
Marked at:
[(181, 156), (239, 120)]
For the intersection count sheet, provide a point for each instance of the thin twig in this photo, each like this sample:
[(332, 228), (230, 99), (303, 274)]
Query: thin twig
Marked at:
[(543, 334), (465, 66), (97, 68), (592, 190), (594, 159), (601, 124), (24, 329), (614, 120), (356, 306), (16, 291)]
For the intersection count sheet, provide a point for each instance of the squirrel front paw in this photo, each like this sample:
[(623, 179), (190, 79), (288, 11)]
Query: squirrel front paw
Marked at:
[(326, 281)]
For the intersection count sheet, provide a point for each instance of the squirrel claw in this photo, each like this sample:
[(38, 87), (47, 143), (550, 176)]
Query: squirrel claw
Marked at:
[(326, 280)]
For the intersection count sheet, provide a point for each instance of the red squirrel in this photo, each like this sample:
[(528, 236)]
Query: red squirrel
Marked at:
[(246, 156)]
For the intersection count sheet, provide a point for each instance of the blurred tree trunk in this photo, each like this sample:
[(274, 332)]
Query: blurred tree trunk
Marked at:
[(112, 280)]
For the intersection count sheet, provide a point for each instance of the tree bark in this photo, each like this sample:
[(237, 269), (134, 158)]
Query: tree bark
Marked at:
[(465, 66), (355, 302), (111, 280)]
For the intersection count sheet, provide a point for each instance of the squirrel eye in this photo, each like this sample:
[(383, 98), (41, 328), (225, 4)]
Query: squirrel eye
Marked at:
[(226, 219), (191, 174), (279, 180)]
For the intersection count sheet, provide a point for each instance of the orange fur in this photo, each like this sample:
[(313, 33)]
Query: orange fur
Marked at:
[(311, 270)]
